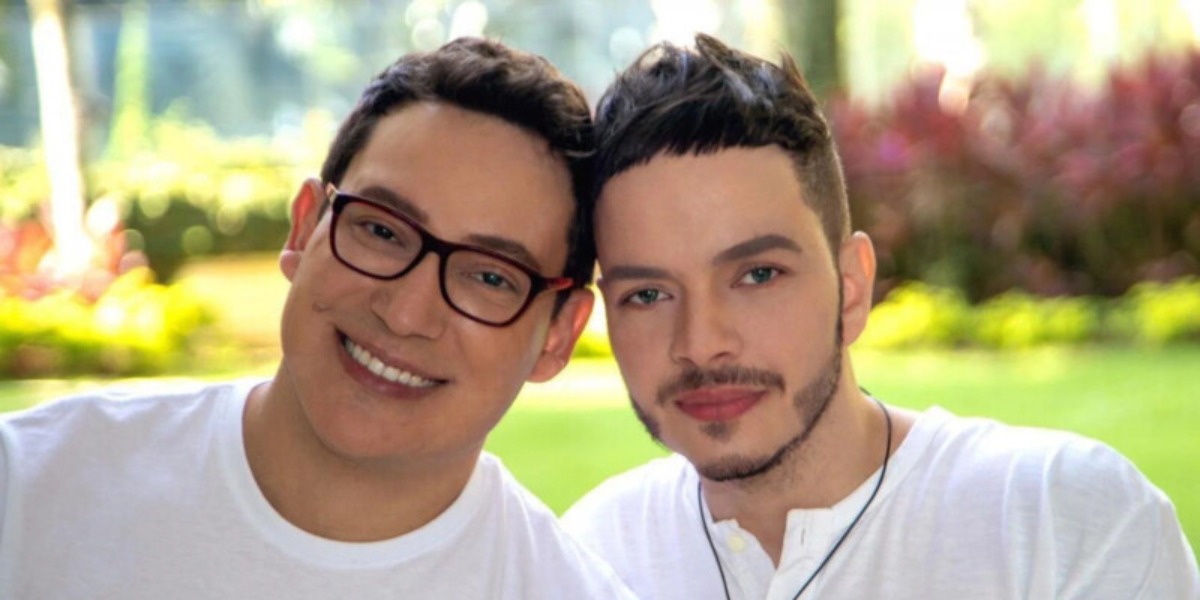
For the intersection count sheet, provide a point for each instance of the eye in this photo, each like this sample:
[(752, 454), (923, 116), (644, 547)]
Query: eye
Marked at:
[(481, 274), (494, 280), (759, 276), (380, 231), (645, 297)]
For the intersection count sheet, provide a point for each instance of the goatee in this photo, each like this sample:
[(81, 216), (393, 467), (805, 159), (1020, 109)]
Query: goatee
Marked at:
[(810, 404)]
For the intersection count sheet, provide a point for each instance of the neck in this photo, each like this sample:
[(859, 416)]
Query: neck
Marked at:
[(338, 497), (845, 448)]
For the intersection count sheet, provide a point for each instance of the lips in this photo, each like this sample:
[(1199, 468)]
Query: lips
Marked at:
[(382, 370), (718, 404)]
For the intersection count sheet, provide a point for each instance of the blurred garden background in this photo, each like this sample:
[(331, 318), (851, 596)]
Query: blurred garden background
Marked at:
[(1028, 169)]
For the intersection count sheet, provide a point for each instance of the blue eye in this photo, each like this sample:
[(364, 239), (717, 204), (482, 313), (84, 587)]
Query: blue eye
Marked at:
[(759, 275), (645, 297)]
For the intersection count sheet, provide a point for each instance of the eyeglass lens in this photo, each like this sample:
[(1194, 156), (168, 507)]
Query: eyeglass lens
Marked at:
[(478, 284)]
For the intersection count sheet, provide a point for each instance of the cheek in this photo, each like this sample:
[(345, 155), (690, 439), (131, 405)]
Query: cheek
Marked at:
[(317, 275), (641, 348), (799, 347), (503, 356), (804, 309)]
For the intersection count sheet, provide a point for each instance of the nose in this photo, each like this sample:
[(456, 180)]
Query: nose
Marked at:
[(413, 305), (705, 333)]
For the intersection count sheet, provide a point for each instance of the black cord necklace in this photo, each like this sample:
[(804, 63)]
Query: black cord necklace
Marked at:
[(887, 454)]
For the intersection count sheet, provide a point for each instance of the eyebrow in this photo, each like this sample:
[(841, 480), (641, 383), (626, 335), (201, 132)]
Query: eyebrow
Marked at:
[(512, 248), (619, 272), (746, 249), (502, 245), (396, 201), (755, 246)]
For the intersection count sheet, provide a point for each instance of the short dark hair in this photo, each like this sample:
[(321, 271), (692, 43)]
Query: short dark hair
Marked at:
[(678, 101), (488, 77)]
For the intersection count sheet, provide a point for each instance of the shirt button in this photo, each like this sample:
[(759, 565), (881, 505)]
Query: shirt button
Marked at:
[(737, 543)]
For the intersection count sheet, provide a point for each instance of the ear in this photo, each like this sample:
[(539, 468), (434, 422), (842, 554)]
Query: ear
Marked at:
[(856, 259), (306, 213), (564, 331)]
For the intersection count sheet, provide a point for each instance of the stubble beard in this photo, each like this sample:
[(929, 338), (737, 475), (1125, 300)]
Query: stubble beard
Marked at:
[(810, 404)]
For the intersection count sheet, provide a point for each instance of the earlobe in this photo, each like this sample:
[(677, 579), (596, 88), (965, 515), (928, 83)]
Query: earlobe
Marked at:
[(856, 260), (306, 213), (564, 331)]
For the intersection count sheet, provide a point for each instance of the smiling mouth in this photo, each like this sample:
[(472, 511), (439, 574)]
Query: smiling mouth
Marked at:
[(384, 370)]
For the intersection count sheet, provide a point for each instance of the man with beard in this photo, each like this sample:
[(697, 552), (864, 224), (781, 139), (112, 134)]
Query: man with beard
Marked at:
[(733, 287)]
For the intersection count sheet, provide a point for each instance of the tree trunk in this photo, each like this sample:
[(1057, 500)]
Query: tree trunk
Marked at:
[(60, 138), (811, 30)]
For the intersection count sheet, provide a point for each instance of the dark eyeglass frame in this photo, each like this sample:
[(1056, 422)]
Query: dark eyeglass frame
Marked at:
[(538, 283)]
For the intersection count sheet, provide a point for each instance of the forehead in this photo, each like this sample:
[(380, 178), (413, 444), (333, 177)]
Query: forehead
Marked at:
[(699, 205), (467, 174)]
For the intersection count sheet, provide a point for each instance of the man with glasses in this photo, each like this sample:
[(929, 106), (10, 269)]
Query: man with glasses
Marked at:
[(439, 263), (484, 285)]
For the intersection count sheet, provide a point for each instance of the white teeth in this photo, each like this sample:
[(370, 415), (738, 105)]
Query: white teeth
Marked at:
[(388, 372)]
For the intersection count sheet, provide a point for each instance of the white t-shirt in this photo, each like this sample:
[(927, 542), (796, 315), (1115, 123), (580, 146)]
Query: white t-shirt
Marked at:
[(969, 508), (151, 496)]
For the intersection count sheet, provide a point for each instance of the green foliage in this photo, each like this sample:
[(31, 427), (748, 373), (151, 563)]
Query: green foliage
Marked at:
[(134, 326), (108, 317), (1016, 320), (23, 183), (187, 194), (1035, 183), (1157, 314), (197, 195), (593, 343), (916, 315)]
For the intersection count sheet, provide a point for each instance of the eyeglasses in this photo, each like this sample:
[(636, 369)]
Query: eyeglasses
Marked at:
[(480, 284)]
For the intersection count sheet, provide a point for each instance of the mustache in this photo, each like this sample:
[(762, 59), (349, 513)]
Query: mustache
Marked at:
[(694, 378)]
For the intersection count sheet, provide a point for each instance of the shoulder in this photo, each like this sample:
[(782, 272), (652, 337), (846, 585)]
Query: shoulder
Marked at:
[(510, 496), (532, 537), (112, 418), (127, 398), (625, 518), (1081, 508), (977, 451), (646, 523), (644, 490)]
